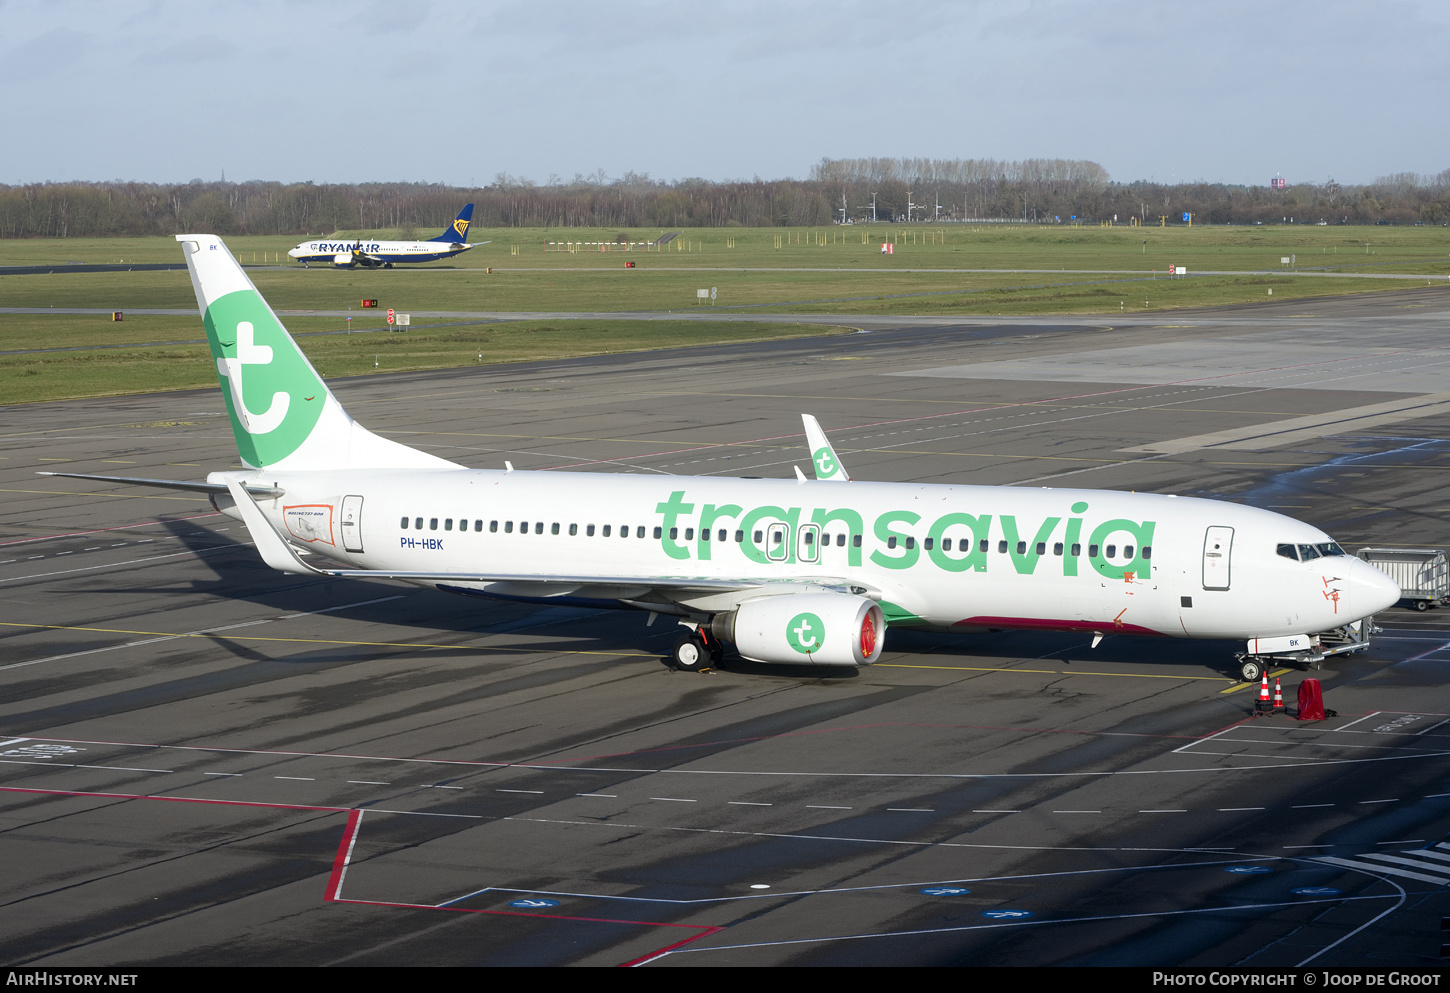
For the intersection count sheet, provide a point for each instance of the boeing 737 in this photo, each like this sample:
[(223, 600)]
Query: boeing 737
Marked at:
[(386, 254), (789, 571)]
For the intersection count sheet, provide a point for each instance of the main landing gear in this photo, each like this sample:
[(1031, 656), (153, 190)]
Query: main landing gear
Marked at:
[(696, 652)]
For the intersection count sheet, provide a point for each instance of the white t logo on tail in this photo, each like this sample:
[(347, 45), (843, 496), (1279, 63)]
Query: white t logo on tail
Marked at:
[(252, 354)]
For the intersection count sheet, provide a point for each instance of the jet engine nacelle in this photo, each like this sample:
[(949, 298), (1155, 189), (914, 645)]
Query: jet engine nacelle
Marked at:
[(811, 628), (343, 260)]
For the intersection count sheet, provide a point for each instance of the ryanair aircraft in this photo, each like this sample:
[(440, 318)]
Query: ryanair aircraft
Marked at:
[(385, 254), (792, 571)]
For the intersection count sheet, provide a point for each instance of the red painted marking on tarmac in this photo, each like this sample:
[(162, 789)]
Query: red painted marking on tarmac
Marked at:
[(120, 527), (703, 929), (344, 855)]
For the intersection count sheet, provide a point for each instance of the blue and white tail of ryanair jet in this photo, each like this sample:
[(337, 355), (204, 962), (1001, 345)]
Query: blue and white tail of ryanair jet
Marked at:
[(365, 254)]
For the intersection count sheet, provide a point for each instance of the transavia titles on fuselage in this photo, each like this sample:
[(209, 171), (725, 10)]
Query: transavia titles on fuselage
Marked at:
[(386, 254), (788, 571)]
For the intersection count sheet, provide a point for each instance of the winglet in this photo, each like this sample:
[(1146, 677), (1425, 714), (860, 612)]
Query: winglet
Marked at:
[(273, 547), (823, 457)]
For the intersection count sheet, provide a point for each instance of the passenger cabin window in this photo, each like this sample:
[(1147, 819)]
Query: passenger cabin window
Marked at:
[(660, 532), (639, 531), (740, 537), (1042, 548), (1076, 550), (855, 541), (1111, 551), (1127, 551), (448, 524), (1001, 548), (404, 525), (1092, 551), (417, 524), (493, 525), (433, 524), (910, 542), (589, 531), (478, 525), (573, 529), (1147, 552), (705, 534), (554, 528), (1057, 548), (1021, 548), (604, 531), (508, 527), (983, 547), (689, 534)]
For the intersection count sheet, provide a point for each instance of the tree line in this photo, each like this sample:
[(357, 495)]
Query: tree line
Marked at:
[(880, 189)]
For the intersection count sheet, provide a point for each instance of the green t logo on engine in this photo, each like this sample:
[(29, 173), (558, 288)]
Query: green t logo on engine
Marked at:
[(805, 633)]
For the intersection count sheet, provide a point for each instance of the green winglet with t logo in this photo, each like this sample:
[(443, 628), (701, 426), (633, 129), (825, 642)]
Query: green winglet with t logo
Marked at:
[(823, 456)]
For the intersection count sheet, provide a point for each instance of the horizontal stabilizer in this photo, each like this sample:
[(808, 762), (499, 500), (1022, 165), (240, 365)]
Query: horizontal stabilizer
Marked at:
[(256, 489)]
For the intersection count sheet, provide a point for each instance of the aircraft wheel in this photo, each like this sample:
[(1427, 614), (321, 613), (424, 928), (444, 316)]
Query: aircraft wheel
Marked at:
[(1251, 670), (689, 655)]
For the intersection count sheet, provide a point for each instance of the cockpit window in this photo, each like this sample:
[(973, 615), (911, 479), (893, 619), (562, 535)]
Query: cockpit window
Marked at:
[(1307, 552), (1329, 548), (1289, 552)]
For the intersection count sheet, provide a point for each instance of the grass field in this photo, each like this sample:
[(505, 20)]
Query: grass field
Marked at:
[(934, 270), (146, 353)]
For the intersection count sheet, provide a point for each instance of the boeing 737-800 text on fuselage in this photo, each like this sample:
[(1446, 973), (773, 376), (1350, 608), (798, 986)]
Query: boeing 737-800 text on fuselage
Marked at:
[(795, 571), (348, 254)]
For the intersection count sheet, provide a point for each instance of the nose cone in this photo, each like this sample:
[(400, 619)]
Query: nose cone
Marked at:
[(294, 252), (1372, 590)]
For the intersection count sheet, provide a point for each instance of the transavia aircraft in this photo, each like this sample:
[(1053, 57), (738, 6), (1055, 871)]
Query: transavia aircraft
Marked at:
[(385, 254), (790, 571)]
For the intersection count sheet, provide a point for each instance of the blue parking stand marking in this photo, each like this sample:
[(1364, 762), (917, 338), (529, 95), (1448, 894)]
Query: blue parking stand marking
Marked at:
[(1006, 915), (533, 904), (1248, 870), (1315, 891), (945, 891)]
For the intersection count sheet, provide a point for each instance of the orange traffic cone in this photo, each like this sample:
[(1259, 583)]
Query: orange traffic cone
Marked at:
[(1278, 697), (1264, 705)]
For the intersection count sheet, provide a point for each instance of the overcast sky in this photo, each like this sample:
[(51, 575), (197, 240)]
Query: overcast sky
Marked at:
[(457, 92)]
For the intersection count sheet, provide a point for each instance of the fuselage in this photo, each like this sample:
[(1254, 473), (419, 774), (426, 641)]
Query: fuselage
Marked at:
[(382, 252), (942, 556)]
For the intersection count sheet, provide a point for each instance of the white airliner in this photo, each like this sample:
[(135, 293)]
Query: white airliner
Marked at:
[(798, 571), (385, 254)]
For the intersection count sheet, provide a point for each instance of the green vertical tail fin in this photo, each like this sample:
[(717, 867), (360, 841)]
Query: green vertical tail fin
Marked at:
[(283, 415)]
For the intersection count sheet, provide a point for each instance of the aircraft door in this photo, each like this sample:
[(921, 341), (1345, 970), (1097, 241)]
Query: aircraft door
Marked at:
[(352, 523), (1217, 550), (808, 543), (777, 543)]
